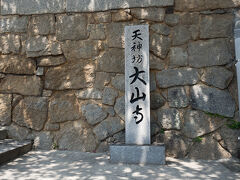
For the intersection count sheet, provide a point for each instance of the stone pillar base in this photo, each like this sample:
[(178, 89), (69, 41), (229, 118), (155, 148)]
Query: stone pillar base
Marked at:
[(138, 154)]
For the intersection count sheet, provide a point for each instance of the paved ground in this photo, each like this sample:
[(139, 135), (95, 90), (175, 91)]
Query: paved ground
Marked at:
[(77, 165)]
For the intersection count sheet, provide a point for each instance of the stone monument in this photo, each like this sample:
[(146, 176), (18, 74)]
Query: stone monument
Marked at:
[(138, 148)]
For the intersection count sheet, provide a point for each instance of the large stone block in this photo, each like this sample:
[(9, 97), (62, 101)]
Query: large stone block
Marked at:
[(178, 57), (212, 100), (102, 80), (63, 107), (90, 93), (31, 112), (72, 75), (17, 65), (161, 29), (177, 97), (18, 132), (118, 82), (51, 60), (97, 31), (42, 140), (122, 15), (72, 27), (169, 118), (120, 107), (25, 85), (209, 53), (109, 96), (181, 35), (216, 26), (156, 100), (5, 109), (156, 63), (13, 24), (102, 17), (152, 13), (176, 77), (10, 44)]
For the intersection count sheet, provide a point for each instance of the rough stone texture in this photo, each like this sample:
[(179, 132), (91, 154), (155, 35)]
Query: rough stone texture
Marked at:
[(216, 26), (31, 112), (17, 132), (102, 80), (51, 126), (102, 17), (71, 75), (76, 24), (10, 43), (176, 77), (209, 53), (112, 61), (109, 110), (176, 145), (178, 57), (121, 15), (93, 113), (189, 18), (17, 65), (97, 31), (63, 107), (42, 25), (14, 24), (108, 127), (180, 35), (156, 63), (152, 14), (212, 100), (90, 93), (42, 140), (103, 147), (5, 109), (109, 96), (16, 99), (169, 118), (198, 123), (171, 19), (118, 82), (153, 84), (156, 100), (159, 45), (80, 49), (120, 107), (160, 29), (51, 60), (40, 71), (25, 85), (177, 97), (219, 77), (209, 149)]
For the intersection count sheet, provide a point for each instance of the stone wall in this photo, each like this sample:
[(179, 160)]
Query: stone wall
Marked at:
[(62, 74)]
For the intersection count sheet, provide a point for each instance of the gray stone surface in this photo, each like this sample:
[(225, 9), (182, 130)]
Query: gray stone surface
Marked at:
[(90, 93), (97, 31), (172, 19), (102, 79), (152, 14), (133, 154), (42, 140), (102, 17), (37, 46), (156, 63), (178, 57), (108, 127), (177, 97), (153, 84), (93, 113), (180, 35), (109, 96), (209, 53), (169, 118), (212, 100), (122, 15), (5, 109), (156, 100), (118, 82), (51, 60), (13, 24), (219, 77), (176, 77), (17, 132), (10, 43), (161, 29), (40, 71), (120, 107), (71, 27), (42, 25)]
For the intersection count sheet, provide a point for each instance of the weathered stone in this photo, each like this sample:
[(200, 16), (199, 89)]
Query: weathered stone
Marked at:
[(16, 99), (109, 110), (152, 13), (177, 97), (155, 129), (51, 126), (5, 109), (2, 75), (194, 29), (17, 65), (156, 100), (72, 27), (169, 118), (40, 71), (108, 127), (198, 123), (13, 24), (10, 44), (120, 107), (63, 107), (71, 75), (153, 84), (159, 45), (25, 85), (102, 17), (90, 93), (208, 149), (54, 47), (109, 96), (176, 145), (118, 82), (181, 35), (212, 100), (219, 77), (42, 25), (216, 26), (171, 19), (37, 46), (80, 49), (156, 63), (17, 132), (176, 77), (31, 112), (47, 93), (189, 18), (111, 61), (102, 80), (178, 57), (97, 31), (209, 53), (160, 29), (121, 15), (51, 60), (103, 147), (42, 140), (93, 113)]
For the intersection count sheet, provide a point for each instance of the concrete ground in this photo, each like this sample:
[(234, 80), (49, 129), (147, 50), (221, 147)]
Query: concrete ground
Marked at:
[(78, 165)]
